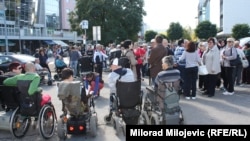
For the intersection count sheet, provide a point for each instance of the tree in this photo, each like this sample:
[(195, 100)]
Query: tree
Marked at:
[(175, 31), (240, 31), (119, 19), (205, 29), (150, 34), (187, 33)]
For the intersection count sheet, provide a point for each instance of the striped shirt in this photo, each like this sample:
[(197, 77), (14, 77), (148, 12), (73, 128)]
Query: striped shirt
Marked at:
[(166, 76)]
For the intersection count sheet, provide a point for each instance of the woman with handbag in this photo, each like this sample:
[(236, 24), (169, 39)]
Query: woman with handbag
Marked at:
[(210, 59), (227, 54), (237, 75), (246, 71)]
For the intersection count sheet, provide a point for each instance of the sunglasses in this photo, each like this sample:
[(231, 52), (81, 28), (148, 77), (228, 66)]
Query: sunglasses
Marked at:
[(19, 68)]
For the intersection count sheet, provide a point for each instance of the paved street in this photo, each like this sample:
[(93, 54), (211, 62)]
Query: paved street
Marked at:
[(219, 109)]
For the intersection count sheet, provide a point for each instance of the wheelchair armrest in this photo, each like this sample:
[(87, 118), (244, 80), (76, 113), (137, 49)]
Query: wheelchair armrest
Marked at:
[(150, 89)]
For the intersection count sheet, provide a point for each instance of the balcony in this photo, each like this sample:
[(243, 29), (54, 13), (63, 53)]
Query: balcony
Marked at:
[(36, 33)]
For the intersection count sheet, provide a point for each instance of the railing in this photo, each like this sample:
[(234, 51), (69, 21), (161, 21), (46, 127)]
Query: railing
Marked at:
[(24, 33)]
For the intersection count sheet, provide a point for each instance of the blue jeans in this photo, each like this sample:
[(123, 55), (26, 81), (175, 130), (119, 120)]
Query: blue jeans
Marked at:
[(73, 66)]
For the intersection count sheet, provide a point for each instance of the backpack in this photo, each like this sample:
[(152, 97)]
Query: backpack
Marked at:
[(124, 61), (171, 99)]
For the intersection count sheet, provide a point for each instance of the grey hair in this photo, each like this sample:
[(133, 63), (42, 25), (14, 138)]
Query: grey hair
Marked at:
[(168, 60)]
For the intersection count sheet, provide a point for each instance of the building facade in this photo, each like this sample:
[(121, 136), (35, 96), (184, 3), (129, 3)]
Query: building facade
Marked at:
[(224, 14), (32, 23)]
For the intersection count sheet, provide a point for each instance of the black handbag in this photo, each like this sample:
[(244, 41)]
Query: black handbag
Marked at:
[(236, 61)]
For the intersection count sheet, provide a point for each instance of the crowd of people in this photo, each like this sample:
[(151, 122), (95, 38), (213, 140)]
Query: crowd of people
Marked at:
[(159, 60)]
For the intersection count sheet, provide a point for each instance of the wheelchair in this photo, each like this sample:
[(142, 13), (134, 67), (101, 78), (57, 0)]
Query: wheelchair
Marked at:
[(125, 106), (85, 64), (43, 74), (154, 114), (58, 75), (79, 115), (20, 109)]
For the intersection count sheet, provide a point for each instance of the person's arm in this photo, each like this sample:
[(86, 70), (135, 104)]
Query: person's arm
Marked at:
[(34, 85), (12, 81), (183, 56), (96, 87)]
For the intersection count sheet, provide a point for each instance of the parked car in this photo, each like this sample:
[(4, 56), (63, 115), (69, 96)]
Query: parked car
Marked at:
[(244, 40), (6, 60)]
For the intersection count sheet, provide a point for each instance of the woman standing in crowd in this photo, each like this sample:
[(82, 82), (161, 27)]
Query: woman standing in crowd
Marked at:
[(246, 71), (210, 60), (227, 54), (202, 46), (128, 46), (191, 69), (222, 43)]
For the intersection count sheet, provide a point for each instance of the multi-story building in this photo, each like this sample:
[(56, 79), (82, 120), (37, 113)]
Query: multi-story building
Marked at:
[(33, 23), (224, 13)]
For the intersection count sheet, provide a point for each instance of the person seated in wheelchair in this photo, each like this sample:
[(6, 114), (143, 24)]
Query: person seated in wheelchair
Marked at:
[(118, 73), (41, 70), (28, 85), (168, 74), (72, 94), (59, 63), (14, 69)]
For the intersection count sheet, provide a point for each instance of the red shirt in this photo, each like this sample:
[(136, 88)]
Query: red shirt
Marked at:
[(139, 54)]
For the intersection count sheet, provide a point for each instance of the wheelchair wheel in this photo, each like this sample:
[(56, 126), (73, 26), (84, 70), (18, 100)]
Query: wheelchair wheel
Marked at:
[(19, 125), (181, 118), (107, 119), (154, 119), (93, 126), (47, 121), (62, 130), (143, 119), (56, 77), (49, 82), (116, 125)]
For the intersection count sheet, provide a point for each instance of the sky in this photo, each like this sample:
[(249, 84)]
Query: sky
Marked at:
[(160, 13)]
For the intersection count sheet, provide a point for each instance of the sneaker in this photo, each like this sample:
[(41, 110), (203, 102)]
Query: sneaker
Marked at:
[(225, 93), (187, 97), (193, 98), (228, 93)]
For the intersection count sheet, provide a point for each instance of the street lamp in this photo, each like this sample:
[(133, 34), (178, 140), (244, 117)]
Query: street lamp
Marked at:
[(19, 12), (3, 17), (84, 24)]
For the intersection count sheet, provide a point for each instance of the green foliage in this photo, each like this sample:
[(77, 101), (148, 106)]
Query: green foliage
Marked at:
[(175, 31), (205, 29), (150, 34), (187, 33), (240, 31), (119, 19)]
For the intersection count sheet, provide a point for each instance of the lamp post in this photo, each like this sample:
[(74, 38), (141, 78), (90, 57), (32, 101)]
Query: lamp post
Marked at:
[(20, 46), (3, 17), (84, 24)]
